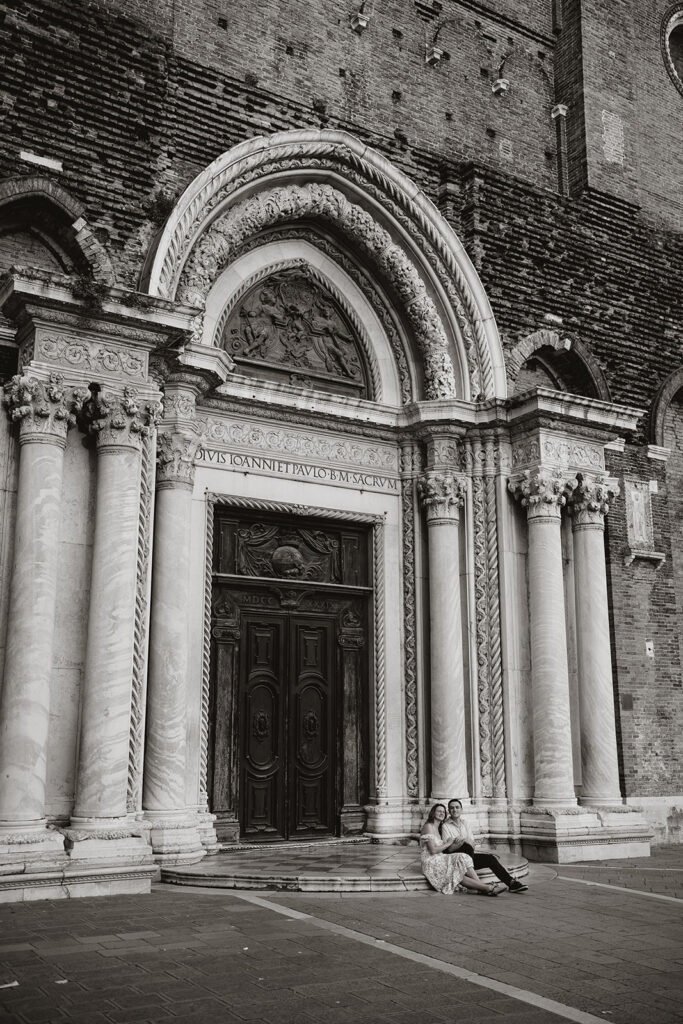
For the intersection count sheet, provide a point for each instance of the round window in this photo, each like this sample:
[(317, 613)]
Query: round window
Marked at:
[(672, 44)]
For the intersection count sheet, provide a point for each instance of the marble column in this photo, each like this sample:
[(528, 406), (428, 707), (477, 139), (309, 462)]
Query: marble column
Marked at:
[(44, 411), (542, 493), (174, 836), (442, 494), (588, 503), (119, 423)]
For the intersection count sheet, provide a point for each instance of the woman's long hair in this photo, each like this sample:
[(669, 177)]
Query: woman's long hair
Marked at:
[(431, 817)]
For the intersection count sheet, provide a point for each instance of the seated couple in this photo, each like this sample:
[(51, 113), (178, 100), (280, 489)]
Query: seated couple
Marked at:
[(449, 860)]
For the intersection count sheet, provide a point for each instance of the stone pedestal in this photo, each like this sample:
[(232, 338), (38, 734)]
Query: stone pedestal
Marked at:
[(588, 504), (442, 495), (542, 493), (44, 410)]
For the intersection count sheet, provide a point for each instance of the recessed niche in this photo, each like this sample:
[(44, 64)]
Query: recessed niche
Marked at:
[(672, 44)]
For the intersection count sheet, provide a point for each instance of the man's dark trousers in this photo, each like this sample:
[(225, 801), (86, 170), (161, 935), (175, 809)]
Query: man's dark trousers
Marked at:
[(487, 860)]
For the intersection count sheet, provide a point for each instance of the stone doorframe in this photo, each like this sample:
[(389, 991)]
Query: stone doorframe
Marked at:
[(378, 688)]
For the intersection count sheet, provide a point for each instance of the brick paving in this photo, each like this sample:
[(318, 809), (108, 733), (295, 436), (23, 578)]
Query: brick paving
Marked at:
[(222, 956)]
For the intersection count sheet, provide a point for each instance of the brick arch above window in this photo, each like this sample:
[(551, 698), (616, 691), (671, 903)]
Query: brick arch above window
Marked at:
[(663, 399), (72, 232), (567, 350)]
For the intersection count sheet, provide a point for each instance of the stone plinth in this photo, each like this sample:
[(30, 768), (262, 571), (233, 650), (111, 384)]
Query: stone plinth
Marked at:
[(563, 837)]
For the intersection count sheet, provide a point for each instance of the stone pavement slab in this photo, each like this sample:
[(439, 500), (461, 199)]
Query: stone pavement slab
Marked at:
[(596, 952)]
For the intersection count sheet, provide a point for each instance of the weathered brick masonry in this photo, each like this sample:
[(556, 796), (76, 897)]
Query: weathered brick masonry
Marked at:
[(135, 101)]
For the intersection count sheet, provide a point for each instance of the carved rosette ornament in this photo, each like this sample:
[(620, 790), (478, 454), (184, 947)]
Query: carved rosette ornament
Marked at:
[(542, 492), (44, 409), (442, 494), (120, 420), (176, 452), (589, 499)]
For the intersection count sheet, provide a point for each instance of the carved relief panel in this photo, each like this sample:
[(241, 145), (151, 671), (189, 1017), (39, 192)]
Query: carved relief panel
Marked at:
[(287, 551), (289, 328)]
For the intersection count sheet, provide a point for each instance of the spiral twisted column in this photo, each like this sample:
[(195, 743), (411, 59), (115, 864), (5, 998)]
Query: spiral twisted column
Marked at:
[(119, 422), (174, 835), (542, 493), (588, 503), (443, 494), (44, 410)]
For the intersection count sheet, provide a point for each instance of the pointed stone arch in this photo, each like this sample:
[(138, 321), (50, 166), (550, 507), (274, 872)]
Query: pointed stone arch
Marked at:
[(331, 178)]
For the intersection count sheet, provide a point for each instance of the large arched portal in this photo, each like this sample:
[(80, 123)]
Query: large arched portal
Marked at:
[(358, 332), (369, 622)]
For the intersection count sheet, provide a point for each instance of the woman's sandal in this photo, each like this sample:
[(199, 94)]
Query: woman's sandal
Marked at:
[(493, 890)]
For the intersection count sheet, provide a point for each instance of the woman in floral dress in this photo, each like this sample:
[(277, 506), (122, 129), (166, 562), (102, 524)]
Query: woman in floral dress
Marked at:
[(447, 872)]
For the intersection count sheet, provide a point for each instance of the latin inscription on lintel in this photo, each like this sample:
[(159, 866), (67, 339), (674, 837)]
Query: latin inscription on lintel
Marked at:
[(274, 466)]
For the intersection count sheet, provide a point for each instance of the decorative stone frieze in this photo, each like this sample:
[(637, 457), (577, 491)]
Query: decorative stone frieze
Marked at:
[(589, 500), (120, 420), (442, 494), (46, 408), (176, 452), (542, 492)]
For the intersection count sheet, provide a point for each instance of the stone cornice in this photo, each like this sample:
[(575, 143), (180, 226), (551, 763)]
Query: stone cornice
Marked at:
[(27, 293)]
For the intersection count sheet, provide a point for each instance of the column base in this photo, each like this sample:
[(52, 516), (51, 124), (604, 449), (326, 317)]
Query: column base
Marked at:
[(352, 820), (388, 822), (563, 836), (101, 842), (28, 848), (175, 837)]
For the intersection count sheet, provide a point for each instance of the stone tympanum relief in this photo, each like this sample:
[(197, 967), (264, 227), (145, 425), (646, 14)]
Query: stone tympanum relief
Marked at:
[(288, 327)]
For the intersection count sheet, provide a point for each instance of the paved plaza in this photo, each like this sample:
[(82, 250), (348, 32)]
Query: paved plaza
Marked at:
[(586, 943)]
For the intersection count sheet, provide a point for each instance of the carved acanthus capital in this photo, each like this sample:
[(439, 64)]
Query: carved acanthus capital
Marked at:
[(589, 498), (121, 419), (44, 409), (176, 452), (442, 495), (542, 492)]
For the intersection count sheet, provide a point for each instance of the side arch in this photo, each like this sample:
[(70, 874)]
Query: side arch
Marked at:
[(663, 399), (76, 234), (332, 177), (545, 339)]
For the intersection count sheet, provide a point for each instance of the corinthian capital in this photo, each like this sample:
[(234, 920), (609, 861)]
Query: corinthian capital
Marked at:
[(176, 452), (120, 420), (44, 409), (442, 495), (589, 498), (542, 492)]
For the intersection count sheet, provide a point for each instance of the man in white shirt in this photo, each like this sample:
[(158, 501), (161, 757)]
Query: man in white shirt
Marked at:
[(456, 828)]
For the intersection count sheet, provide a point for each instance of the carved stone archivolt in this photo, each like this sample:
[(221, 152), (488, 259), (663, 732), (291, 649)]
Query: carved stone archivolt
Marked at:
[(321, 153), (43, 408), (214, 250), (442, 495)]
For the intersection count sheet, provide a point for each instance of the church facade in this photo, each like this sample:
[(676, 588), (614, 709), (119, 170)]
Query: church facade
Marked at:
[(342, 449)]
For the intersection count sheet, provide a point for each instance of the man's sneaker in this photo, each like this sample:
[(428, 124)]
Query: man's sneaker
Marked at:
[(517, 886)]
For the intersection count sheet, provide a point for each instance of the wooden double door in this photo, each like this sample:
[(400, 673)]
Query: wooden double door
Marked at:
[(288, 756)]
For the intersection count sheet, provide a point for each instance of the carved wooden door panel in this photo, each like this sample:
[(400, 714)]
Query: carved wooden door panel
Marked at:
[(287, 733), (263, 732), (312, 736)]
